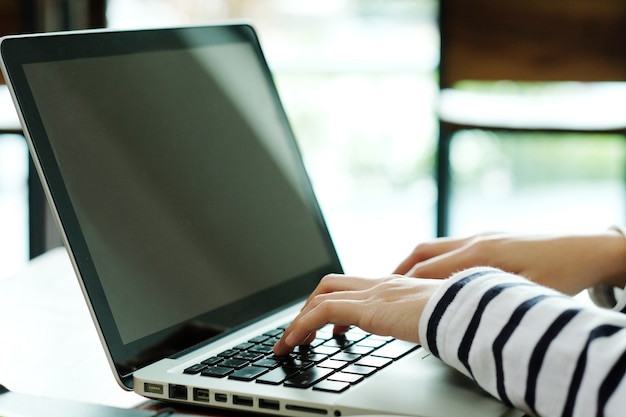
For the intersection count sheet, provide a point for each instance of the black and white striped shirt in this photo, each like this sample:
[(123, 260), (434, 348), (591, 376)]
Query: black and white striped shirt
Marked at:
[(532, 347)]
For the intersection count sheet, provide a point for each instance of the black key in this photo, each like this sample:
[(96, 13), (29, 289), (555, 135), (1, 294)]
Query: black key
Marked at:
[(359, 350), (262, 349), (306, 379), (353, 336), (338, 341), (217, 371), (244, 346), (276, 376), (234, 363), (318, 341), (374, 361), (344, 377), (195, 369), (302, 349), (346, 357), (311, 357), (267, 363), (331, 386), (228, 353), (332, 364), (274, 333), (213, 360), (383, 338), (248, 356), (395, 349), (291, 362), (359, 370), (371, 342), (269, 342), (325, 350), (248, 373), (281, 359), (259, 339)]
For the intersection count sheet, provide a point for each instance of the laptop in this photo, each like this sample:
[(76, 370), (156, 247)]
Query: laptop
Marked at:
[(182, 198)]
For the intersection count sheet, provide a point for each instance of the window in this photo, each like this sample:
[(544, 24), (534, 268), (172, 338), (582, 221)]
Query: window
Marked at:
[(358, 81)]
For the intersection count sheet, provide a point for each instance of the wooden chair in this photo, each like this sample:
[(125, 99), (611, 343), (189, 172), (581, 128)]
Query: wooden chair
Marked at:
[(578, 41)]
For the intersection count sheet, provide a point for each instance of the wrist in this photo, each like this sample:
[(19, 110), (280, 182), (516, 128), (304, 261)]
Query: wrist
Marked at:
[(616, 263)]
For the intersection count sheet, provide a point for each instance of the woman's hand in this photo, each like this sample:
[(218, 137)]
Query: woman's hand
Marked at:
[(390, 306), (565, 263)]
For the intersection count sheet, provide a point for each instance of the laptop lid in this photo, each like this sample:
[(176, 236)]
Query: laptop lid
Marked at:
[(175, 178)]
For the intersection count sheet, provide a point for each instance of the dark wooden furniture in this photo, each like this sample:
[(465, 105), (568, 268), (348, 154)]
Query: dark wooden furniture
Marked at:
[(530, 41), (26, 16)]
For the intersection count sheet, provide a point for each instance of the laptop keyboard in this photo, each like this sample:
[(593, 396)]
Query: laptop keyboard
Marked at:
[(331, 363)]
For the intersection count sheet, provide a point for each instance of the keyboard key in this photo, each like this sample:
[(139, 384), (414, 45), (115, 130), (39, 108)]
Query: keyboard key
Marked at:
[(234, 363), (395, 349), (291, 362), (276, 376), (262, 349), (274, 333), (372, 342), (259, 339), (306, 379), (332, 364), (216, 371), (228, 353), (244, 346), (338, 341), (195, 369), (248, 356), (346, 357), (248, 373), (331, 386), (354, 336), (344, 377), (374, 361), (325, 350), (267, 363), (213, 360), (311, 357), (359, 350), (359, 370)]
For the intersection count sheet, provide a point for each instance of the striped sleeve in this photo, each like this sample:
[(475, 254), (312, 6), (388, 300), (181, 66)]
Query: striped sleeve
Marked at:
[(532, 347)]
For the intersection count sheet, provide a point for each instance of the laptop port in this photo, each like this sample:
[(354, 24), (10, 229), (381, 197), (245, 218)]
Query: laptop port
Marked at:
[(200, 394), (269, 404), (303, 409), (221, 398), (152, 388), (178, 392), (241, 400)]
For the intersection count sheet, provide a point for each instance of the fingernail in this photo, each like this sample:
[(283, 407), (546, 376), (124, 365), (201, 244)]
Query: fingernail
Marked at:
[(289, 340)]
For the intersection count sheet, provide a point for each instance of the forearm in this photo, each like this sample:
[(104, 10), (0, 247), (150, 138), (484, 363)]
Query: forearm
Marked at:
[(522, 343)]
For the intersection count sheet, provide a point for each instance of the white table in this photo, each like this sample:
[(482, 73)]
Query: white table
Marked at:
[(48, 343)]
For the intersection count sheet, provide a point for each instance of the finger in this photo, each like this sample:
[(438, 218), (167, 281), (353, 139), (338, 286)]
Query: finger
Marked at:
[(331, 287), (443, 265), (341, 311), (339, 283), (429, 250)]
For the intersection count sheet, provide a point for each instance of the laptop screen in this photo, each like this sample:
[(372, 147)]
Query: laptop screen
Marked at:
[(176, 178)]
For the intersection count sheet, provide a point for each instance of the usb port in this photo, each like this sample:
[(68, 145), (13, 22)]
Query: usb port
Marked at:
[(241, 400), (200, 394), (269, 404)]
